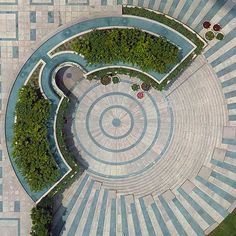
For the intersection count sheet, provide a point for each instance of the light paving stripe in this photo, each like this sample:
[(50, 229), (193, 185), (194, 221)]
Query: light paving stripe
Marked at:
[(124, 216), (80, 211), (184, 9), (223, 202), (205, 216), (194, 225), (113, 218), (130, 2), (140, 3), (151, 4), (228, 17), (147, 219), (156, 5), (210, 14), (101, 220), (229, 82), (228, 197), (195, 13), (226, 70), (231, 52), (168, 6), (224, 165), (135, 218), (228, 37), (178, 9), (172, 217), (162, 5), (216, 206), (87, 227), (231, 154), (160, 220), (75, 197), (173, 7), (224, 179)]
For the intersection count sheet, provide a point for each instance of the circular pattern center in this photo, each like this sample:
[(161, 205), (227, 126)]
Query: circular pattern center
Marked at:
[(116, 122), (117, 134)]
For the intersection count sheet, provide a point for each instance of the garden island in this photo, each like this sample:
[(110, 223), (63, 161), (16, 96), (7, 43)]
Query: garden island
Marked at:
[(118, 118)]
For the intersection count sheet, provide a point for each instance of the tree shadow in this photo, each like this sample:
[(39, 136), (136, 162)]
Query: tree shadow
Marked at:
[(63, 79)]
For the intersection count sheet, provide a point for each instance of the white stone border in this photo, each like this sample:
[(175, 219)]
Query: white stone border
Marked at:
[(117, 66), (62, 95)]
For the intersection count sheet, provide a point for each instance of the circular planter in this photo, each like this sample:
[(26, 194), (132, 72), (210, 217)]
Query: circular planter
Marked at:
[(105, 80), (135, 87), (209, 35), (145, 86), (206, 24), (216, 27), (115, 80), (220, 36), (140, 95)]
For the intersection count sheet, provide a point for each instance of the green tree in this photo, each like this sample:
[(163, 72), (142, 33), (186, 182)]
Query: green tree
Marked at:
[(131, 46), (30, 145), (41, 216)]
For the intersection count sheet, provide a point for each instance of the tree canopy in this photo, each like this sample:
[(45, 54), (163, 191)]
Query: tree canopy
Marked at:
[(128, 46), (41, 216), (30, 144)]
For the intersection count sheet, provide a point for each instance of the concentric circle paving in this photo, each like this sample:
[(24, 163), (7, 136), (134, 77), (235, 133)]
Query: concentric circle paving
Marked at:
[(118, 134)]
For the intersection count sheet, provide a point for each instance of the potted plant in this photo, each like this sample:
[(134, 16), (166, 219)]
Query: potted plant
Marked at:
[(140, 95), (135, 87), (105, 80), (206, 24), (209, 35), (217, 27), (220, 36), (115, 80), (145, 86)]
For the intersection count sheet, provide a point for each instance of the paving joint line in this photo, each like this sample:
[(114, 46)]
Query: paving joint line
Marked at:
[(186, 79)]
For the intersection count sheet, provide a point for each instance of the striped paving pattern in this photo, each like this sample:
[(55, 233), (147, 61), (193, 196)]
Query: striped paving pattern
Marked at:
[(192, 188)]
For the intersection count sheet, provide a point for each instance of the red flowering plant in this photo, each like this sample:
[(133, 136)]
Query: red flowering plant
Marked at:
[(217, 27), (206, 24), (140, 95)]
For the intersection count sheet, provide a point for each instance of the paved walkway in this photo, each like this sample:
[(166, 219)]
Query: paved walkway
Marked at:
[(191, 187)]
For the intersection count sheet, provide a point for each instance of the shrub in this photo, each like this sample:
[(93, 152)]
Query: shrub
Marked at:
[(105, 80), (206, 24), (30, 144), (217, 27), (209, 35), (115, 80), (135, 87), (140, 95), (41, 216), (220, 36), (130, 46), (145, 86)]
